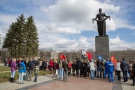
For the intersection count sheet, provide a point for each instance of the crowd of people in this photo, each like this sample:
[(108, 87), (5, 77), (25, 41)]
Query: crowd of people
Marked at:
[(94, 69), (25, 68), (81, 68)]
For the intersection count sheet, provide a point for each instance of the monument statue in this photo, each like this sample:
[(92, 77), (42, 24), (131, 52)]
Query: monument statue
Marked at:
[(101, 24)]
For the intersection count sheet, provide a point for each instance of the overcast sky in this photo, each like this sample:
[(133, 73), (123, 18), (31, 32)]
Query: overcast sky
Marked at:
[(67, 24)]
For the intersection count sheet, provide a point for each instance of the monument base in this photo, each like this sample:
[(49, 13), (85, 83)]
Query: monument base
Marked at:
[(102, 47)]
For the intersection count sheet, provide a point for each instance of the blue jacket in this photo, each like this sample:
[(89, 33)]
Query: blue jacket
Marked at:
[(106, 65), (22, 67), (110, 67)]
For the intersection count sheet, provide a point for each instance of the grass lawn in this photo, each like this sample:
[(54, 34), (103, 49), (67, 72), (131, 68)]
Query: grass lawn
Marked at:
[(4, 68), (4, 76)]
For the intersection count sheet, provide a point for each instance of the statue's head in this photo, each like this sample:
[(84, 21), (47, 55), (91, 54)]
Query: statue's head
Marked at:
[(100, 10)]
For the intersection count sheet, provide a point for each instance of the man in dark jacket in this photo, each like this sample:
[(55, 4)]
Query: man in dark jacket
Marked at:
[(133, 71), (30, 68), (65, 73), (78, 67), (124, 67), (99, 68)]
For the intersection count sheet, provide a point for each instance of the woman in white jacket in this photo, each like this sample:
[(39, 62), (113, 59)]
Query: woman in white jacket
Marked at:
[(118, 69), (92, 69)]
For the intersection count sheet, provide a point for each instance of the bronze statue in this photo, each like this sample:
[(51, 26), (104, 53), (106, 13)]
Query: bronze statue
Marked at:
[(101, 24)]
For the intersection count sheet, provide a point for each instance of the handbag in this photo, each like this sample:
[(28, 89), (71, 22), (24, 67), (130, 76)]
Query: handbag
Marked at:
[(128, 75)]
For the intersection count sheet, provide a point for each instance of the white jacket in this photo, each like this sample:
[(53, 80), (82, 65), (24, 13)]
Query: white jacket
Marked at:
[(92, 65), (118, 66)]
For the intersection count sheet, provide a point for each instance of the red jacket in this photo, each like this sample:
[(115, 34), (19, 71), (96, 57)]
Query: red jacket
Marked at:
[(69, 64), (51, 63)]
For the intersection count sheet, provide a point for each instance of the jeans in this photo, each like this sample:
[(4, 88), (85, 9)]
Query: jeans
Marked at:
[(21, 77), (78, 72), (65, 76), (61, 73), (29, 72), (36, 76), (92, 74), (12, 74), (99, 72), (125, 76)]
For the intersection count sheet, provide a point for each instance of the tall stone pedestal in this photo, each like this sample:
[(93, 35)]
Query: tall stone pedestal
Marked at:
[(102, 47)]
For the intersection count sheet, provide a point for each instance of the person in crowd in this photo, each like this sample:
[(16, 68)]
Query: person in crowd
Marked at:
[(13, 70), (88, 68), (85, 68), (30, 68), (19, 61), (5, 61), (118, 69), (44, 65), (25, 62), (40, 64), (69, 67), (103, 68), (92, 69), (78, 67), (82, 68), (124, 67), (95, 68), (55, 68), (106, 69), (36, 73), (60, 69), (111, 71), (65, 73), (51, 64), (22, 70), (9, 62), (99, 68), (133, 71), (73, 67), (130, 69)]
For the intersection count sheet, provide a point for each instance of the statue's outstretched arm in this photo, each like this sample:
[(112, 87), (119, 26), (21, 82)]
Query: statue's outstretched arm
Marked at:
[(107, 16)]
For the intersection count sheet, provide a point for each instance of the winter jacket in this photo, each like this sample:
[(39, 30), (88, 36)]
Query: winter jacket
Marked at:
[(51, 63), (110, 67), (65, 66), (69, 64), (118, 66), (78, 64), (106, 65), (22, 67), (30, 66), (74, 66), (124, 65), (92, 65), (13, 66)]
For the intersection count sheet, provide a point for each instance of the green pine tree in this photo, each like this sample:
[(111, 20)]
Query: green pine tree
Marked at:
[(31, 42)]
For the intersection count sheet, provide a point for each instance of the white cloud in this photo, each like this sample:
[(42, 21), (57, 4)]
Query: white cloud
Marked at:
[(70, 17), (118, 44)]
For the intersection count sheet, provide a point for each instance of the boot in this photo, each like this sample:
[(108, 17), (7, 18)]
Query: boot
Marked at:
[(13, 80), (10, 79)]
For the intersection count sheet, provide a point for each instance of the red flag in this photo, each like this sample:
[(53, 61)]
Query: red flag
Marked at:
[(114, 61), (62, 57), (89, 55)]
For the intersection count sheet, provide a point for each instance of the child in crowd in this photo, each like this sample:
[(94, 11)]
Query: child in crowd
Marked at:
[(36, 73)]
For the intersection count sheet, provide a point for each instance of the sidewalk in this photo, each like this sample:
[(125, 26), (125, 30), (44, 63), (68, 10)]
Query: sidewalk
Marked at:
[(74, 83)]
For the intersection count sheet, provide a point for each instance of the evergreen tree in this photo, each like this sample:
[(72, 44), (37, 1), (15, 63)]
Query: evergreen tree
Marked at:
[(22, 38), (31, 36)]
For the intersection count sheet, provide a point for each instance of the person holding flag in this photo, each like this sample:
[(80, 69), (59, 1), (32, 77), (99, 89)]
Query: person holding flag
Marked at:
[(110, 71), (106, 68)]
